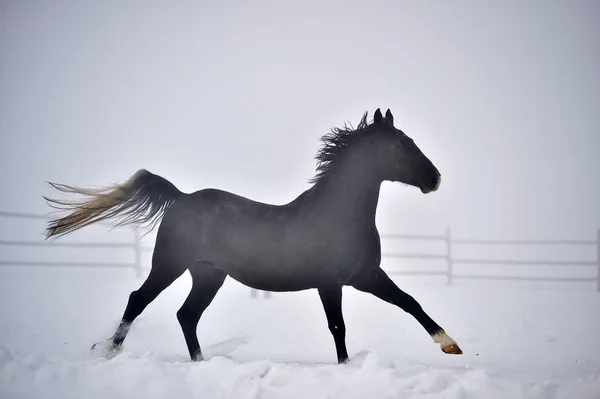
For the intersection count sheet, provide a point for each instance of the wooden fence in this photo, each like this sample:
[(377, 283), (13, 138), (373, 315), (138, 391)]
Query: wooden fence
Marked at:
[(134, 245), (138, 249)]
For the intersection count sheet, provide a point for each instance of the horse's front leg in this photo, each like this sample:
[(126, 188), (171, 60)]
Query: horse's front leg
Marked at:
[(377, 282), (331, 297)]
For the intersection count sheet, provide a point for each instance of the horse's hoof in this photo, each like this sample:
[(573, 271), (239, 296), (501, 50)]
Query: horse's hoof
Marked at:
[(447, 344), (452, 349), (106, 349)]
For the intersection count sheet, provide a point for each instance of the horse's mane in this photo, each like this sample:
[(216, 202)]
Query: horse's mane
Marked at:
[(334, 143)]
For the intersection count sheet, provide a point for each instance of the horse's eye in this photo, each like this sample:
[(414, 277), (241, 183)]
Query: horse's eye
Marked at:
[(398, 145)]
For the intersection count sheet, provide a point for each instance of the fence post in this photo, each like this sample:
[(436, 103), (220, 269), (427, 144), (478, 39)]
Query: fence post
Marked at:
[(137, 250), (449, 251), (598, 244)]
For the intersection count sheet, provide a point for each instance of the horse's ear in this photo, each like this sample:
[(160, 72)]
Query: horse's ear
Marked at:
[(389, 117), (377, 117)]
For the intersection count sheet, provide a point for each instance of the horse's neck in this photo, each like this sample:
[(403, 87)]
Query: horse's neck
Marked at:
[(350, 196)]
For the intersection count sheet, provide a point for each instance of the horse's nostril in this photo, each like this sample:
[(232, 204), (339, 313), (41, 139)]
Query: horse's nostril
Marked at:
[(435, 182)]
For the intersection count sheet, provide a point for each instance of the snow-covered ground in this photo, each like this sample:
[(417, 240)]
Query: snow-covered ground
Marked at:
[(519, 341)]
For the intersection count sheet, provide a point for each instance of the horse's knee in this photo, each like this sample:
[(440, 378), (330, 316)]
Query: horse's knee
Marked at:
[(182, 315), (186, 316), (410, 305), (337, 329)]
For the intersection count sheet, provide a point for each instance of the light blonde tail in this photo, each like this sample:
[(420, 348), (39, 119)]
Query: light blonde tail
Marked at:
[(143, 199)]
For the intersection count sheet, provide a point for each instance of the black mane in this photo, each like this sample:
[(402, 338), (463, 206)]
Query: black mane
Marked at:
[(334, 143)]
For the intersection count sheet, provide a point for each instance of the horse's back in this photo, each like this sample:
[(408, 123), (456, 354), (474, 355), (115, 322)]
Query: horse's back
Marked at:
[(217, 222)]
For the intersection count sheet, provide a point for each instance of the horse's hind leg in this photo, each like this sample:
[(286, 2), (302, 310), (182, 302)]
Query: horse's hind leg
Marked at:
[(206, 281), (163, 274)]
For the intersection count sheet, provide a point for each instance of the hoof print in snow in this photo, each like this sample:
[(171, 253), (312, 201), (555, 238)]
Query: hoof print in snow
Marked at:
[(106, 349), (452, 349)]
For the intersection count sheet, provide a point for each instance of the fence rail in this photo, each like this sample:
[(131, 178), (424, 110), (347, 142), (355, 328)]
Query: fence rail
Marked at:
[(136, 246)]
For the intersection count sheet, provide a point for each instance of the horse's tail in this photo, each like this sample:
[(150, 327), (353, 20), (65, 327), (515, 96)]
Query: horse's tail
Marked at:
[(143, 199)]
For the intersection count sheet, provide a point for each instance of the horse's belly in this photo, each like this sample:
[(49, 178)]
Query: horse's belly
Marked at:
[(278, 279), (285, 263), (275, 286)]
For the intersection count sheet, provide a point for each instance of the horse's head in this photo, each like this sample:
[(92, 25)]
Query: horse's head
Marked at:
[(398, 158)]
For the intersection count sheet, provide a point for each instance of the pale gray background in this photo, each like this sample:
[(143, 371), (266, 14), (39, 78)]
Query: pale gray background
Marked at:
[(503, 96)]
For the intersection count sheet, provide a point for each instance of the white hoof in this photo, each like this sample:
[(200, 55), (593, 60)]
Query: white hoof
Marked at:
[(106, 349)]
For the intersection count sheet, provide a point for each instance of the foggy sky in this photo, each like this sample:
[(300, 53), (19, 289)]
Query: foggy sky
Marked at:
[(502, 96)]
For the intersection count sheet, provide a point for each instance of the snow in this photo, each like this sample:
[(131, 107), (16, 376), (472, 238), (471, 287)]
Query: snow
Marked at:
[(519, 341)]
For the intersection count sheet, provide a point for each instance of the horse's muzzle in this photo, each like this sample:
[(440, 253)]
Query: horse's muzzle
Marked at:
[(432, 185)]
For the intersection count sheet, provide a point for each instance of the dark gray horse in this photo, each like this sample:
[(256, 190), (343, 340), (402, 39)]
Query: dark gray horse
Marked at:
[(325, 238)]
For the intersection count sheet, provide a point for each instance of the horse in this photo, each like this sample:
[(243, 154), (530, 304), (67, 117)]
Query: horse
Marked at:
[(324, 239)]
